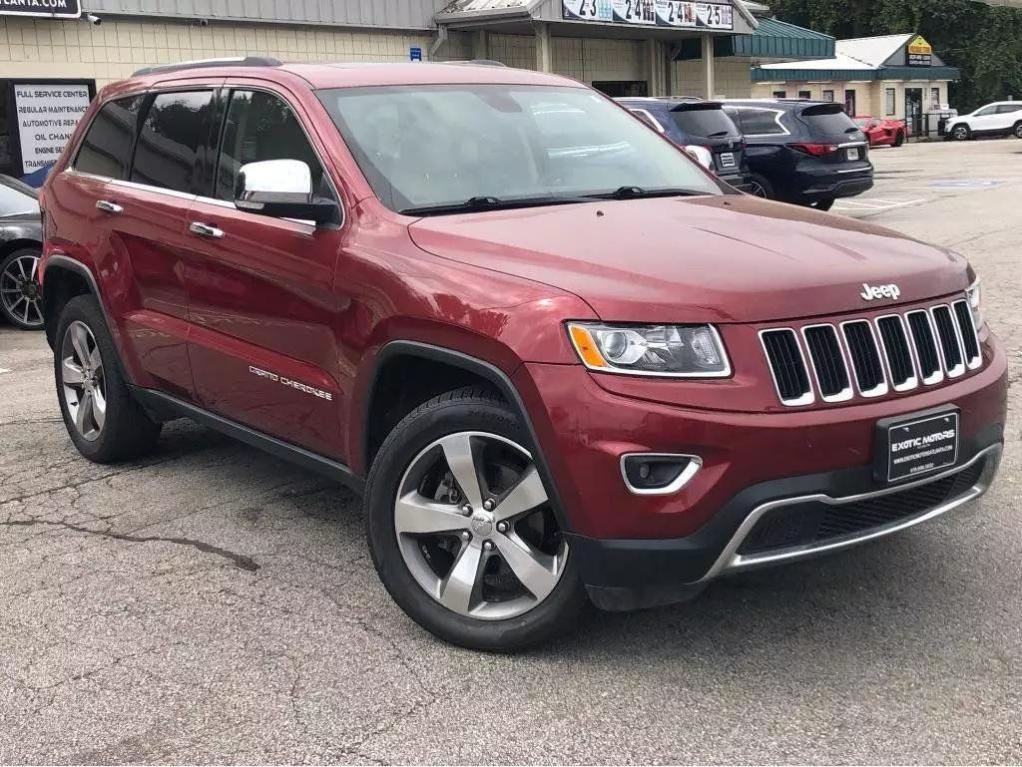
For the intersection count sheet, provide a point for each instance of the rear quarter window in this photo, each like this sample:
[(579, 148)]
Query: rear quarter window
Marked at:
[(106, 148), (828, 120), (759, 122)]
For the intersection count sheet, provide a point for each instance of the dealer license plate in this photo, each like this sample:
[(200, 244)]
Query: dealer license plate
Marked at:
[(727, 160), (921, 446)]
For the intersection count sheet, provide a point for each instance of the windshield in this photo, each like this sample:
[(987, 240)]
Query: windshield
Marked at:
[(443, 145), (16, 198), (704, 121)]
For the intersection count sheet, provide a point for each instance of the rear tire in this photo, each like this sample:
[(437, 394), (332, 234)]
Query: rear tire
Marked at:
[(961, 132), (758, 186), (899, 139), (462, 575), (1017, 130), (105, 423)]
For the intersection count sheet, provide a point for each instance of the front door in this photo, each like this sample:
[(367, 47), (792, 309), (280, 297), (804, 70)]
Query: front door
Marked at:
[(850, 103), (262, 342), (914, 111)]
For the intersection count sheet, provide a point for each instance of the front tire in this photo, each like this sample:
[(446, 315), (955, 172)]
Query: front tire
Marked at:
[(105, 423), (961, 132), (899, 139), (461, 530), (759, 186)]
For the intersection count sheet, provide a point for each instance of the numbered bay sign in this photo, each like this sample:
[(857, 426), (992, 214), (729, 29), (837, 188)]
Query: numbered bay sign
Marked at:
[(661, 13)]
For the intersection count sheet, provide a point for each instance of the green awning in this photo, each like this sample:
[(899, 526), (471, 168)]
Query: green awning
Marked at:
[(772, 39), (796, 74)]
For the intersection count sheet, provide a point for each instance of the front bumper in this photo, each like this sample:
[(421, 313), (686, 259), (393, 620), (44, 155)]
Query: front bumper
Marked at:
[(635, 551)]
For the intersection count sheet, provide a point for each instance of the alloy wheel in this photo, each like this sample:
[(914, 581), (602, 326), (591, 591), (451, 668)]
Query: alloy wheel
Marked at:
[(961, 132), (83, 381), (475, 527), (756, 189), (19, 291)]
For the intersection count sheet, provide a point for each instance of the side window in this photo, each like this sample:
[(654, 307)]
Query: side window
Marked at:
[(760, 122), (259, 127), (1006, 109), (173, 131), (106, 148), (986, 111)]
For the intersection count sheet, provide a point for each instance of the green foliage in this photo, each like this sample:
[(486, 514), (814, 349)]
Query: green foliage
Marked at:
[(983, 41)]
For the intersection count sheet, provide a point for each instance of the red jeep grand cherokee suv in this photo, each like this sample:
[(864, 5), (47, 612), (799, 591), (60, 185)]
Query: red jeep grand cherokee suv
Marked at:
[(561, 362)]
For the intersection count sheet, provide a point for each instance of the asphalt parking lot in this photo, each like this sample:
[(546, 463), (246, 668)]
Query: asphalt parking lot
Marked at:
[(212, 604)]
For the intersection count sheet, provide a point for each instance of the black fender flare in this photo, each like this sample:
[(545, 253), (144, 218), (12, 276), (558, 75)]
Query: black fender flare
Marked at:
[(62, 262), (485, 370)]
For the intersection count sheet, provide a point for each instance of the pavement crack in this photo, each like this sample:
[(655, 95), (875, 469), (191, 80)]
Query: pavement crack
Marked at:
[(239, 560)]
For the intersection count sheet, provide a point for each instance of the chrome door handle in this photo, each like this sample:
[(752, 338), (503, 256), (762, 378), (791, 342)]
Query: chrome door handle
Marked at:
[(205, 230), (109, 207)]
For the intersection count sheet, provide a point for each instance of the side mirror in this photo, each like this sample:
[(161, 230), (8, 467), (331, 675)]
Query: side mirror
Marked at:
[(283, 189)]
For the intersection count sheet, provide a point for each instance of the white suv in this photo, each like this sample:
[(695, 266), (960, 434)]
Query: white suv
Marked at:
[(1001, 118)]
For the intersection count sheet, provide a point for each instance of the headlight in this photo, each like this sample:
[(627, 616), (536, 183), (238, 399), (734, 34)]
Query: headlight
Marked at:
[(684, 351), (974, 293)]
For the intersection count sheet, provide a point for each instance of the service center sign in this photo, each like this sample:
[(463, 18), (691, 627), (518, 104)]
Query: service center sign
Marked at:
[(660, 13), (47, 116), (63, 9)]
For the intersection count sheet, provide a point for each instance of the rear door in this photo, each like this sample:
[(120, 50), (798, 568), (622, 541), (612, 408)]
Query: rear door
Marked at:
[(708, 125), (146, 214), (984, 120), (263, 308), (1007, 116), (827, 125)]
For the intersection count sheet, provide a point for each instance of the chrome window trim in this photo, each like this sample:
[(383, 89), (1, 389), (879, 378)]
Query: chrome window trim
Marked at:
[(153, 189), (881, 388), (938, 376), (973, 362), (806, 399), (958, 370), (695, 464), (848, 392), (730, 560), (913, 381), (646, 113), (777, 119)]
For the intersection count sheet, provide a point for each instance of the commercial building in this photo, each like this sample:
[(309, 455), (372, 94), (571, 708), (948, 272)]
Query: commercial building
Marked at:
[(891, 76), (54, 54)]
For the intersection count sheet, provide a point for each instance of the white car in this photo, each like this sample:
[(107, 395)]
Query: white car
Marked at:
[(1001, 118)]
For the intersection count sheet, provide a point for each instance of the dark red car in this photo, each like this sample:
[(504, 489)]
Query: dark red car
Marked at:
[(883, 131), (560, 360)]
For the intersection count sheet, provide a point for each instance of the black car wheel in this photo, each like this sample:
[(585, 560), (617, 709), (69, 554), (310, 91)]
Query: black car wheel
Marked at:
[(899, 139), (20, 300), (758, 186), (1017, 130)]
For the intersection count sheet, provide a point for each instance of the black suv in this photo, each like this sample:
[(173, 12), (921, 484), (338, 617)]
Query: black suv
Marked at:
[(800, 151), (701, 128)]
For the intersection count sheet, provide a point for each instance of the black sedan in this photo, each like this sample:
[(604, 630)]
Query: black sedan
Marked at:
[(21, 244)]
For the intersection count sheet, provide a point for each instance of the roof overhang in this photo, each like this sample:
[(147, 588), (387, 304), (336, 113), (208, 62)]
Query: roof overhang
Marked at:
[(801, 74), (772, 39)]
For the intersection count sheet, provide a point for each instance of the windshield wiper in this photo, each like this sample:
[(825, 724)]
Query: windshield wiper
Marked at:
[(637, 192), (488, 202)]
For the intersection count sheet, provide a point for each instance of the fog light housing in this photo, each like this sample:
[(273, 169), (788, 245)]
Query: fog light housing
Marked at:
[(658, 473)]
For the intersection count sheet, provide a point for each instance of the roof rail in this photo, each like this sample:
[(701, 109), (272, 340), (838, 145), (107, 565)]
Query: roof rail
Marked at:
[(478, 62), (237, 61)]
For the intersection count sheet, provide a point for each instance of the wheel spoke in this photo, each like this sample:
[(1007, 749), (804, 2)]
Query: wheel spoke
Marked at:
[(416, 515), (83, 420), (458, 589), (96, 361), (525, 496), (80, 341), (461, 460), (35, 268), (538, 572), (21, 267), (71, 373), (98, 409), (37, 311)]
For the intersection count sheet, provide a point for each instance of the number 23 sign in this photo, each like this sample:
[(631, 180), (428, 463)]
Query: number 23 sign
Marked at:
[(661, 13)]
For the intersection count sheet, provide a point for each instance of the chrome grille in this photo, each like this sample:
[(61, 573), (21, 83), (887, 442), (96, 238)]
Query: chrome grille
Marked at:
[(871, 357)]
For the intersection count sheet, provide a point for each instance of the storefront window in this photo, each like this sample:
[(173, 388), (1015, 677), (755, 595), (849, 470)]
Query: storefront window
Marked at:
[(935, 98), (850, 102), (889, 101), (828, 95), (805, 94), (780, 94)]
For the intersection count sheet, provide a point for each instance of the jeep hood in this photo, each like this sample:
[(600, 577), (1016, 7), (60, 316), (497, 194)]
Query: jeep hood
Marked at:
[(699, 259)]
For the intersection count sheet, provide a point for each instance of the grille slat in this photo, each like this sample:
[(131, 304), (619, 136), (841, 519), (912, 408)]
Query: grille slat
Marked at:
[(899, 358), (828, 362), (926, 346), (954, 362), (787, 365), (970, 341), (868, 369), (897, 351)]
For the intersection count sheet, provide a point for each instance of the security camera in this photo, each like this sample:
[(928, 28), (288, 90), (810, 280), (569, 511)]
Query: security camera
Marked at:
[(93, 19)]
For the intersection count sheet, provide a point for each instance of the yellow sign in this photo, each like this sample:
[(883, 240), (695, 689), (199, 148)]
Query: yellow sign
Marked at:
[(920, 47)]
